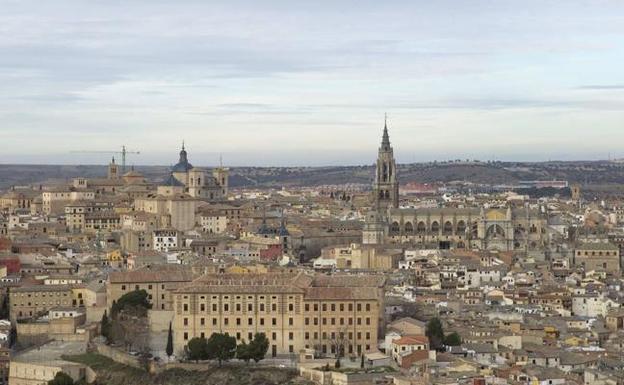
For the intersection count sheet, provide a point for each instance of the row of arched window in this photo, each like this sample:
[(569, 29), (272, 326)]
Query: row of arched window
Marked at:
[(421, 228)]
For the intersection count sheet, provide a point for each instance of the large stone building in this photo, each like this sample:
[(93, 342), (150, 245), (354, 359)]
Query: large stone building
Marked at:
[(197, 182), (294, 310), (503, 229)]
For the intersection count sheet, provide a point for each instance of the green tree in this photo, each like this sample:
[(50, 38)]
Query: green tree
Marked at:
[(435, 332), (4, 310), (243, 351), (61, 379), (258, 347), (169, 349), (221, 347), (452, 339), (136, 300), (12, 336), (196, 349), (105, 327)]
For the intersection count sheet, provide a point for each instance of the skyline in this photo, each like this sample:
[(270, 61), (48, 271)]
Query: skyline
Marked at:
[(281, 84)]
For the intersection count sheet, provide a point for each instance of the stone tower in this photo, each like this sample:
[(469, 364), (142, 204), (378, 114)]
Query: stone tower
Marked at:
[(113, 172), (386, 185)]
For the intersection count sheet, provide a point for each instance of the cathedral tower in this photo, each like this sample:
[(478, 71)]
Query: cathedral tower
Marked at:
[(386, 185), (113, 172)]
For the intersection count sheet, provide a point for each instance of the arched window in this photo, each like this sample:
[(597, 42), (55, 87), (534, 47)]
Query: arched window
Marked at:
[(461, 227), (409, 228), (421, 228), (394, 228), (448, 228), (435, 227)]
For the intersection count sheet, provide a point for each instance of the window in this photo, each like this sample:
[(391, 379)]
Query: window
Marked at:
[(238, 322), (226, 307), (250, 321), (185, 307), (291, 336), (214, 321), (202, 321), (274, 321), (291, 307), (368, 307), (185, 336), (214, 307), (307, 307), (290, 321), (307, 335), (202, 307)]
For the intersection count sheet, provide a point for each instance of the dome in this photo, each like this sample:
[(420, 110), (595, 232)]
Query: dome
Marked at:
[(171, 181), (183, 164)]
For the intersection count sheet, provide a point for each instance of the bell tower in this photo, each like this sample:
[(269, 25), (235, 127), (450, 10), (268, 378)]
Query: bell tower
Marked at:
[(386, 185), (113, 172)]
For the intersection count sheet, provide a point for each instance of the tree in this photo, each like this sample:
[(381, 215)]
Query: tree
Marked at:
[(169, 349), (4, 310), (452, 339), (197, 349), (338, 342), (105, 327), (61, 379), (362, 362), (243, 351), (136, 300), (12, 336), (258, 347), (221, 347), (435, 332)]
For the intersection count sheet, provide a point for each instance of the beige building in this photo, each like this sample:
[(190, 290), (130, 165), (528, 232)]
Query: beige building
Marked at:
[(55, 199), (197, 182), (31, 301), (177, 211), (294, 310), (157, 281), (598, 256), (356, 256)]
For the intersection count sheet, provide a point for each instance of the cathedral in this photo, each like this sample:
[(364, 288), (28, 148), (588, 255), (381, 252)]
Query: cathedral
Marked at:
[(503, 229), (197, 182)]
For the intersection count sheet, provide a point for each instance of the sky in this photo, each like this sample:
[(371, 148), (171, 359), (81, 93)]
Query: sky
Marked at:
[(293, 82)]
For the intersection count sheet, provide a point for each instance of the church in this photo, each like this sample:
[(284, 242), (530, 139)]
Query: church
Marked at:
[(502, 229), (197, 182)]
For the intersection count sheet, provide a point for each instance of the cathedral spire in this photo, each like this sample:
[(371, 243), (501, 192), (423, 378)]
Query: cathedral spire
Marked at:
[(385, 140)]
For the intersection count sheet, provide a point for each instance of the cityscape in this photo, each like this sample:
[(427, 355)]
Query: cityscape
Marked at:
[(175, 209)]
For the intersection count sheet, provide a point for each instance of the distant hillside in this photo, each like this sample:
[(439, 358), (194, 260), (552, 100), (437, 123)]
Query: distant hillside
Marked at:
[(599, 172)]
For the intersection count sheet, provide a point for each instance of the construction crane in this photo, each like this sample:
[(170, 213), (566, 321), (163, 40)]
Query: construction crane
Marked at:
[(123, 153)]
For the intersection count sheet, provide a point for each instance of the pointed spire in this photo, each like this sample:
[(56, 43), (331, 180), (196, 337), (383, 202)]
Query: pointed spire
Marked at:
[(182, 144), (385, 140)]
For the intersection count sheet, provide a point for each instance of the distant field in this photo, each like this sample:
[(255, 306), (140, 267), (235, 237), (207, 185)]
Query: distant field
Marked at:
[(587, 173)]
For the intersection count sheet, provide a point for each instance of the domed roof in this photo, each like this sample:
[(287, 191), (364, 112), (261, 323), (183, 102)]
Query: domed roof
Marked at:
[(183, 164), (171, 181)]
